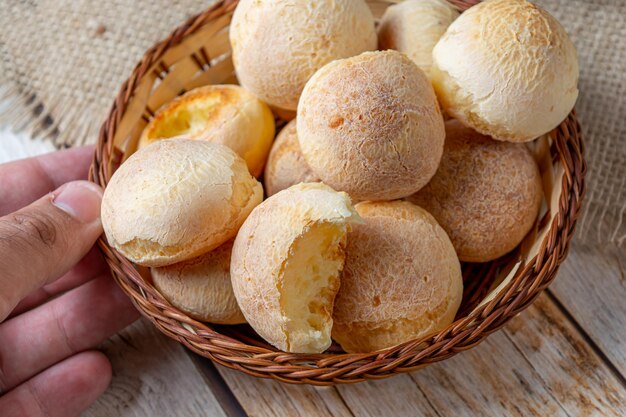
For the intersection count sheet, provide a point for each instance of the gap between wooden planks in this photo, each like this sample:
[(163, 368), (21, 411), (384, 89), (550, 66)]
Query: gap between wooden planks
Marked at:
[(152, 377), (591, 289)]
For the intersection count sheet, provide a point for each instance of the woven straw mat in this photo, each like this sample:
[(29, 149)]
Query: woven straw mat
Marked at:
[(62, 63)]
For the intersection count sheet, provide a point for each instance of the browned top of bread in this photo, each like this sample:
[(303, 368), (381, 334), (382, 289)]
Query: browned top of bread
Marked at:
[(401, 279), (486, 194), (370, 125)]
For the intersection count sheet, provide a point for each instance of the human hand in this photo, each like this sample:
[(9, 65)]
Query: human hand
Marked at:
[(57, 298)]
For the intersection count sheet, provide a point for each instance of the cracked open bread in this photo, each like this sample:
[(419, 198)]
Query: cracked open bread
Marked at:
[(226, 114), (286, 263)]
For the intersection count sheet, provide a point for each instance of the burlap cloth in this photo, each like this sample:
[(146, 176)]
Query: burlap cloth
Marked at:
[(62, 62)]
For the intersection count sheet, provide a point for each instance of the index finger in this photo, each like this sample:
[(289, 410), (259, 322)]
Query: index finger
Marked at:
[(26, 180)]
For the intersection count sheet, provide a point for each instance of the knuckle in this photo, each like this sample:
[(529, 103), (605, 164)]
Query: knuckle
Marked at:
[(37, 399), (62, 329), (31, 229)]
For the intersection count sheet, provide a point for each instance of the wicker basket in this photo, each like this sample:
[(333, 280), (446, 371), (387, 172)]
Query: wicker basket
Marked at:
[(198, 53)]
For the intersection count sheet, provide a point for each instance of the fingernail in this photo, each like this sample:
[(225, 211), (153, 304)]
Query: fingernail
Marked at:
[(80, 199)]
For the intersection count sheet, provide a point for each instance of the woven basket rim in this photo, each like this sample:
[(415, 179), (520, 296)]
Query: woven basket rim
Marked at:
[(334, 368)]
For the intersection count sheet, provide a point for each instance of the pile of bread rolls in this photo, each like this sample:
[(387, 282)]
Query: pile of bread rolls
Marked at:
[(371, 198)]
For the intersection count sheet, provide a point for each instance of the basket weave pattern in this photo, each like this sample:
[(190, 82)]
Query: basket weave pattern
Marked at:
[(198, 53)]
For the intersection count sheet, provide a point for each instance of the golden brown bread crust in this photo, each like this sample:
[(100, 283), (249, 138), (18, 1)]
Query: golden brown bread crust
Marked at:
[(506, 68), (486, 194), (220, 98), (226, 114), (286, 165), (201, 287), (370, 125), (401, 279), (278, 45), (177, 199)]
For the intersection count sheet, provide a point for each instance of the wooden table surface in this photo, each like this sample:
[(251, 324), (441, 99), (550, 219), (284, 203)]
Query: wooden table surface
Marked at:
[(563, 356)]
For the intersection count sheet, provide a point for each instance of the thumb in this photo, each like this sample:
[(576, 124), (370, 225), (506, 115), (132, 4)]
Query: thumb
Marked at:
[(42, 241)]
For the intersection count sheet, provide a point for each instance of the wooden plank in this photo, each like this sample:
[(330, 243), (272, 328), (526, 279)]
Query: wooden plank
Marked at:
[(538, 365), (396, 396), (231, 406), (591, 286), (152, 376), (268, 398)]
